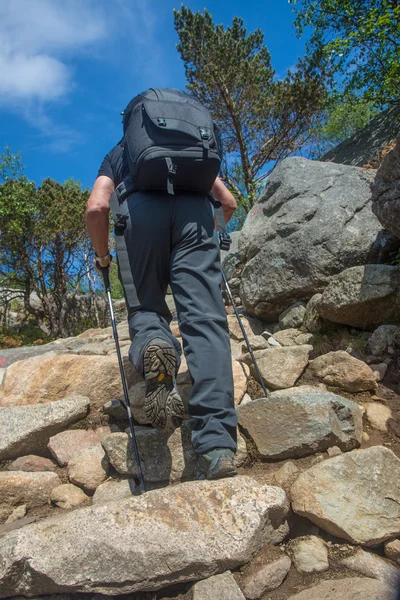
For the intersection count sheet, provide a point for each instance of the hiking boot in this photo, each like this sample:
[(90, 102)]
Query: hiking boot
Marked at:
[(216, 464), (163, 405)]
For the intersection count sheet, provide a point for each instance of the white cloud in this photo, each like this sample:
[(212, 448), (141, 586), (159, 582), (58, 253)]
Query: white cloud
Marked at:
[(34, 37)]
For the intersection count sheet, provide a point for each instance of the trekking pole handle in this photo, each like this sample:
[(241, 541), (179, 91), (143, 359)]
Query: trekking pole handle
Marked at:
[(105, 271)]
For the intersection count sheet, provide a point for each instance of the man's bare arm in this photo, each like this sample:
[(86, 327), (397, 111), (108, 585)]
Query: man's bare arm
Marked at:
[(221, 193), (97, 215)]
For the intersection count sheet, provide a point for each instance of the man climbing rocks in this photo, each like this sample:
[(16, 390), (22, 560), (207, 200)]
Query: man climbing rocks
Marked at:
[(168, 237)]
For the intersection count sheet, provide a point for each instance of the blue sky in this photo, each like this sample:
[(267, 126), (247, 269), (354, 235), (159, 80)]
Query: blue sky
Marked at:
[(68, 68)]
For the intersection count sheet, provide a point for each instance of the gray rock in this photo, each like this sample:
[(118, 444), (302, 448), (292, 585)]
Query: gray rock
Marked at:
[(386, 190), (293, 337), (293, 316), (112, 490), (17, 514), (291, 424), (68, 496), (263, 575), (67, 443), (392, 550), (183, 533), (280, 368), (115, 409), (365, 296), (231, 260), (366, 145), (381, 339), (371, 565), (32, 463), (379, 370), (339, 589), (223, 587), (343, 371), (289, 246), (20, 487), (310, 554), (164, 456), (312, 322), (88, 349), (354, 496), (88, 468), (27, 429), (286, 475), (63, 346)]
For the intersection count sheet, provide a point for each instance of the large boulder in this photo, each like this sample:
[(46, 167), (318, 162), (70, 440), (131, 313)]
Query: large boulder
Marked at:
[(280, 368), (339, 369), (52, 377), (354, 496), (164, 456), (386, 191), (356, 588), (364, 297), (20, 487), (291, 423), (27, 429), (184, 533), (312, 221)]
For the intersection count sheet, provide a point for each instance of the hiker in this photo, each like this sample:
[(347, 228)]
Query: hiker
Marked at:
[(162, 171)]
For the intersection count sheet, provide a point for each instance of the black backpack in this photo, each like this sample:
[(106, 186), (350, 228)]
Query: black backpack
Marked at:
[(171, 142)]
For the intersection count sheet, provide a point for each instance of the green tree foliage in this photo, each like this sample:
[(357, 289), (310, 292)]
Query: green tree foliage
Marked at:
[(359, 41), (262, 119), (339, 121), (43, 243)]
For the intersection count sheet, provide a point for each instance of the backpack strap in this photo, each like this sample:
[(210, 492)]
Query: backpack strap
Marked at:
[(120, 214), (224, 237)]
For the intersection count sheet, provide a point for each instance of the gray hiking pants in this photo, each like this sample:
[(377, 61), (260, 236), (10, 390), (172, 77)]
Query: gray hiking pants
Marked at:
[(172, 240)]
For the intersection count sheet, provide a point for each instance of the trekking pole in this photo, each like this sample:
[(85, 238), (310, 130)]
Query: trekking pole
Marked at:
[(106, 278), (253, 358)]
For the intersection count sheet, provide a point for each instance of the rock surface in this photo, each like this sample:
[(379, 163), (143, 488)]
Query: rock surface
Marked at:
[(293, 316), (27, 429), (263, 575), (381, 339), (354, 496), (68, 496), (365, 296), (88, 469), (112, 490), (343, 371), (386, 191), (371, 565), (378, 415), (310, 554), (293, 423), (392, 550), (280, 368), (52, 377), (339, 589), (293, 337), (67, 443), (288, 245), (20, 487), (32, 463), (223, 587), (165, 457), (172, 542)]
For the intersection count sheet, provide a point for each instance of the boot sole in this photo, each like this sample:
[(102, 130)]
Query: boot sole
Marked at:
[(163, 405)]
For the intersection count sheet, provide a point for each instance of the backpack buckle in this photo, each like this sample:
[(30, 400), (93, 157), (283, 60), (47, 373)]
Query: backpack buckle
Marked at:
[(205, 133), (120, 224), (162, 122)]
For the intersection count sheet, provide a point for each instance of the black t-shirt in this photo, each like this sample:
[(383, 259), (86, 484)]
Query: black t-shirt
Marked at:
[(115, 164)]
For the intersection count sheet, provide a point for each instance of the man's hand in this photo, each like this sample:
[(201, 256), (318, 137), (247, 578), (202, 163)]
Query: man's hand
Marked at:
[(102, 261), (221, 193)]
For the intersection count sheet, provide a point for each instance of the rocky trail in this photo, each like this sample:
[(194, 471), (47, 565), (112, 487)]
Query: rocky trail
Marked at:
[(314, 513)]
